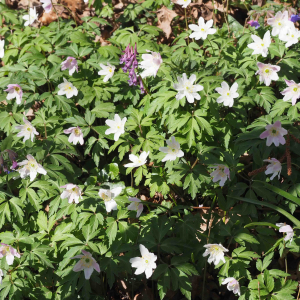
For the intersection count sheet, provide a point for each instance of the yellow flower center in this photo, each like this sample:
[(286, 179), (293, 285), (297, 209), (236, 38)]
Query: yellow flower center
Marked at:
[(267, 71), (33, 165), (274, 132), (279, 24), (262, 45), (228, 94), (28, 129), (202, 29), (110, 70), (295, 89), (73, 189), (292, 35), (77, 131), (86, 262)]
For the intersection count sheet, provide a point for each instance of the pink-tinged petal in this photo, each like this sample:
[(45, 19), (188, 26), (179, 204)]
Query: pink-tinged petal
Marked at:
[(96, 266), (140, 210), (78, 267), (88, 272), (86, 253), (265, 134), (77, 256)]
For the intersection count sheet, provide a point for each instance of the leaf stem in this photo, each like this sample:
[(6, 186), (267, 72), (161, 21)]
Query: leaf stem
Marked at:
[(186, 24)]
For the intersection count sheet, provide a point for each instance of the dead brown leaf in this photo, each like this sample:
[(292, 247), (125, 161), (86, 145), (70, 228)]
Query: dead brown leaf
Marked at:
[(165, 17)]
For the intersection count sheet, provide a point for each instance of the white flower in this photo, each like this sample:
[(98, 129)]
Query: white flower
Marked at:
[(279, 22), (232, 285), (274, 134), (286, 229), (260, 46), (221, 173), (186, 88), (227, 94), (201, 31), (267, 73), (137, 161), (290, 35), (135, 205), (151, 64), (116, 126), (292, 92), (1, 275), (27, 130), (14, 91), (30, 167), (67, 88), (273, 168), (215, 252), (9, 252), (31, 17), (184, 3), (173, 150), (108, 71), (108, 197), (76, 135), (70, 64), (146, 263), (72, 192), (2, 42), (47, 5)]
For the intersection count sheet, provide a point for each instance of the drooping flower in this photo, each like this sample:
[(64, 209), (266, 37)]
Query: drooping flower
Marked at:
[(227, 94), (116, 126), (76, 135), (267, 73), (295, 18), (151, 64), (292, 92), (67, 88), (26, 130), (70, 64), (185, 87), (30, 167), (173, 150), (290, 35), (215, 252), (221, 173), (274, 134), (135, 205), (280, 21), (108, 197), (47, 5), (273, 168), (183, 3), (260, 46), (137, 161), (86, 263), (108, 71), (146, 263), (202, 29), (1, 275), (9, 252), (286, 229), (2, 42), (232, 285), (14, 91), (72, 192), (253, 23), (31, 17)]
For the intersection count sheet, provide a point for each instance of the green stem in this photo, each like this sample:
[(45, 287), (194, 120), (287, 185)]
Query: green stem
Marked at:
[(186, 23)]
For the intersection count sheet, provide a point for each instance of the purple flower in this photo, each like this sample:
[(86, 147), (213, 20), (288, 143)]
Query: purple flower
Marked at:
[(295, 18), (14, 165), (254, 24), (71, 64)]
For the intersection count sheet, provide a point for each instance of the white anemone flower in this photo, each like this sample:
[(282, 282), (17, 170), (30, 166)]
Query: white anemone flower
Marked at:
[(108, 197), (116, 126), (2, 42), (286, 229), (173, 150), (292, 92), (221, 173), (186, 88), (279, 22), (145, 264), (290, 35), (273, 168), (215, 252), (72, 192), (202, 29), (76, 135), (227, 94), (232, 285), (31, 17), (67, 88), (30, 167), (183, 3), (136, 205), (261, 46), (151, 64), (267, 73), (137, 161), (26, 130), (108, 71)]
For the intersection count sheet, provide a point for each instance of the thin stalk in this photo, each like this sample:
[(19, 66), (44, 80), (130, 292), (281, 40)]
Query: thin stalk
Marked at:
[(298, 292), (8, 183), (58, 24), (131, 179), (207, 225), (45, 130), (186, 24)]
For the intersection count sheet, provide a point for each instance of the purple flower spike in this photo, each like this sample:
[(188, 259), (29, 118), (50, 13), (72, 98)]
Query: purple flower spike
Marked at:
[(254, 24), (295, 18)]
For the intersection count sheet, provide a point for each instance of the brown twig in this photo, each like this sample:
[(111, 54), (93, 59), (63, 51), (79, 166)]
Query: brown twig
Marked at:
[(288, 155)]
